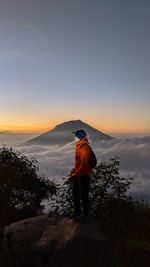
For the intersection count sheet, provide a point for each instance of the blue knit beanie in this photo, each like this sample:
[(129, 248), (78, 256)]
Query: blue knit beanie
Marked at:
[(80, 134)]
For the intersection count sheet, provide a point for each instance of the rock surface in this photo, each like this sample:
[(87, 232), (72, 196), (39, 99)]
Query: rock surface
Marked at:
[(56, 241)]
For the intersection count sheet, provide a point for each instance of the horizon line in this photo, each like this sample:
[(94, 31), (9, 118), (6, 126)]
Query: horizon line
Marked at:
[(45, 130), (41, 130)]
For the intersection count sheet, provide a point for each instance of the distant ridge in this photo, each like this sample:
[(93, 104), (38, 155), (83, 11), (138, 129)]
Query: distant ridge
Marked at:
[(62, 134)]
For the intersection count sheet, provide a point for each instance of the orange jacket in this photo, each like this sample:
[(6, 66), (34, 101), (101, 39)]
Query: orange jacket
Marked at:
[(82, 158)]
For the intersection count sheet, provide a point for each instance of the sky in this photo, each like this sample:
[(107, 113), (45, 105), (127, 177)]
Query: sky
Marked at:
[(63, 60)]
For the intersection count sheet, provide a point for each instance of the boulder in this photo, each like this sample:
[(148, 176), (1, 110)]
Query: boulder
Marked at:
[(56, 241)]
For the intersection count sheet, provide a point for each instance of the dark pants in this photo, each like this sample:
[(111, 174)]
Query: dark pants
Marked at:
[(80, 192)]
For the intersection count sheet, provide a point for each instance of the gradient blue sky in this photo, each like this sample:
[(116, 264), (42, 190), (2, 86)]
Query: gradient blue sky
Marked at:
[(63, 59)]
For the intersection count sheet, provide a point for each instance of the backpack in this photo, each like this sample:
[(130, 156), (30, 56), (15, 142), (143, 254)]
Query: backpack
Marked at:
[(93, 159)]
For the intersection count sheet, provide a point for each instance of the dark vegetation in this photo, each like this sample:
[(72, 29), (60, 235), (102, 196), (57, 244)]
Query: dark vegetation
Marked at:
[(22, 191), (21, 188), (126, 218)]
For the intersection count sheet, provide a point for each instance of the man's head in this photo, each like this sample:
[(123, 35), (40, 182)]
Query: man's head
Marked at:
[(79, 134)]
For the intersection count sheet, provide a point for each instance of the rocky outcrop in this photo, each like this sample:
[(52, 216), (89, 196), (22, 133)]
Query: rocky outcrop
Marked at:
[(56, 241)]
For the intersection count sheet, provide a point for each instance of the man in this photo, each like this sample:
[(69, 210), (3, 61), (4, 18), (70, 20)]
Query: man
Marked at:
[(81, 174)]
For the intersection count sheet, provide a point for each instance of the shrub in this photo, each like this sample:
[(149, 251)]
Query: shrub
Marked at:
[(105, 184), (21, 188)]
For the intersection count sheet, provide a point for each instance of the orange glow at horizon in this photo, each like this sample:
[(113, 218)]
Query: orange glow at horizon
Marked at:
[(41, 127), (26, 127), (110, 129)]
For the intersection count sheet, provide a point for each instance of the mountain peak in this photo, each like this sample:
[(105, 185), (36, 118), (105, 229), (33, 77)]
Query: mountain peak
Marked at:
[(62, 134), (70, 122)]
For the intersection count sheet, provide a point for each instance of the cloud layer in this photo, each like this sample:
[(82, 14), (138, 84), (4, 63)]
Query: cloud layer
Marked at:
[(56, 162)]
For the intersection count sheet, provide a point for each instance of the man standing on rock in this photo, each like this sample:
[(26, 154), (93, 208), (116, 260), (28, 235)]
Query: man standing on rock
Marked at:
[(80, 175)]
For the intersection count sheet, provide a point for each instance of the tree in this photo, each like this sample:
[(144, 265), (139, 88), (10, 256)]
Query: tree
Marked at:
[(107, 183), (22, 190)]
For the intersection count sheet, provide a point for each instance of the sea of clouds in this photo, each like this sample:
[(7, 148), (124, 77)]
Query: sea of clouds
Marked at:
[(56, 162)]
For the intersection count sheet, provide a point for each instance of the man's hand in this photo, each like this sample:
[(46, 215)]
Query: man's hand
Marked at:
[(72, 173)]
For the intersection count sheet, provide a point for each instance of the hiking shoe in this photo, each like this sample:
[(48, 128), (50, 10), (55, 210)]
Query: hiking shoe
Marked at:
[(84, 218), (76, 216)]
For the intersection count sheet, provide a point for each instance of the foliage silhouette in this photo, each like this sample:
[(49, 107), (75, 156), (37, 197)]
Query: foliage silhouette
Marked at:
[(21, 188), (105, 184)]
